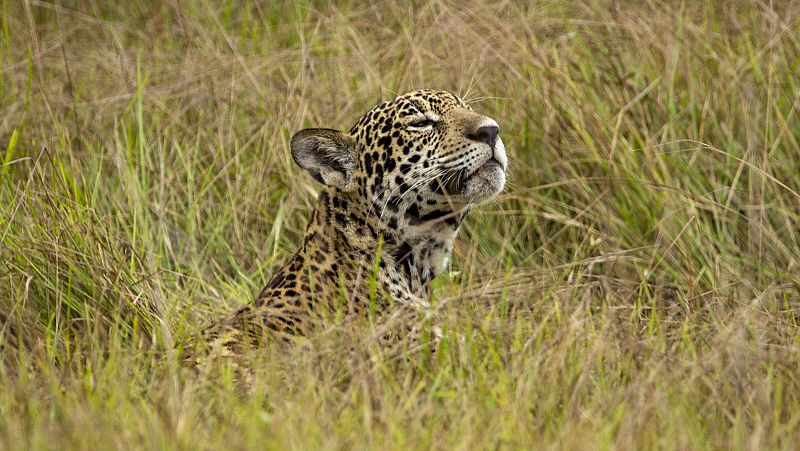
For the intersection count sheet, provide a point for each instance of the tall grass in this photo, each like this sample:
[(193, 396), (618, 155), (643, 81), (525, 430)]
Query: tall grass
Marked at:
[(636, 286)]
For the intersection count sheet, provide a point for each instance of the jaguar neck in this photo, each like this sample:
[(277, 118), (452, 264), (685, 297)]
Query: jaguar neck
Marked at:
[(416, 250), (422, 251)]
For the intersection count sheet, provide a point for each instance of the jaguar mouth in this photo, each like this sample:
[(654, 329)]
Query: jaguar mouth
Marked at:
[(484, 182), (457, 184), (481, 183), (490, 165)]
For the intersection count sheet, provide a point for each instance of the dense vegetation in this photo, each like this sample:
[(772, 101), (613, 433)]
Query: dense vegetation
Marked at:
[(637, 285)]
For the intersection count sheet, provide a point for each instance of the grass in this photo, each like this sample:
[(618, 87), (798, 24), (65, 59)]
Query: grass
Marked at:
[(637, 285)]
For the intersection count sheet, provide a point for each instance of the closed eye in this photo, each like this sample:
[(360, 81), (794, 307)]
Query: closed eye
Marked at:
[(422, 125)]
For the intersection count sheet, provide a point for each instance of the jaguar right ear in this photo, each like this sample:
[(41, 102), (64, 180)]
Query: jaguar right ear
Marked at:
[(328, 155)]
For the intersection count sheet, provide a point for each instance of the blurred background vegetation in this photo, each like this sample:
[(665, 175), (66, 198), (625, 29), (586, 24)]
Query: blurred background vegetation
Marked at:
[(637, 285)]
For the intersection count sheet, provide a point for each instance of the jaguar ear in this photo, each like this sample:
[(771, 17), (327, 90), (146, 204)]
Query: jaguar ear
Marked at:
[(328, 155)]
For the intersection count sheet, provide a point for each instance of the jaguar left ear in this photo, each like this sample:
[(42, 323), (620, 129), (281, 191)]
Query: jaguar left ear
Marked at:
[(328, 155)]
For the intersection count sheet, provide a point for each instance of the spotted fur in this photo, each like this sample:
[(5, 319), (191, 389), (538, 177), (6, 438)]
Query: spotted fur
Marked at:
[(396, 189)]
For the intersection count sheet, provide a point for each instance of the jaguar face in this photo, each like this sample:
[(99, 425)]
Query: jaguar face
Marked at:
[(433, 145), (423, 157)]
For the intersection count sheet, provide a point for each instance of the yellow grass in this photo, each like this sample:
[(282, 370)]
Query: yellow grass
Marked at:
[(636, 286)]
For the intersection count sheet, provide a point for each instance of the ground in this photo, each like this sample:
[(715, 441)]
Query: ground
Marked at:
[(637, 285)]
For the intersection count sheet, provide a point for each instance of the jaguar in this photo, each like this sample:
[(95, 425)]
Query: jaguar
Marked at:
[(395, 190)]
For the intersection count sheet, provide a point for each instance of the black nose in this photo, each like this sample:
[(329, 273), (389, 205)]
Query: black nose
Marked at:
[(486, 134)]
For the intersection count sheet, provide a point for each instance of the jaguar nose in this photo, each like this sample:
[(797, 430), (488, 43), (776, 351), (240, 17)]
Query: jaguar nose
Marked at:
[(485, 134)]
